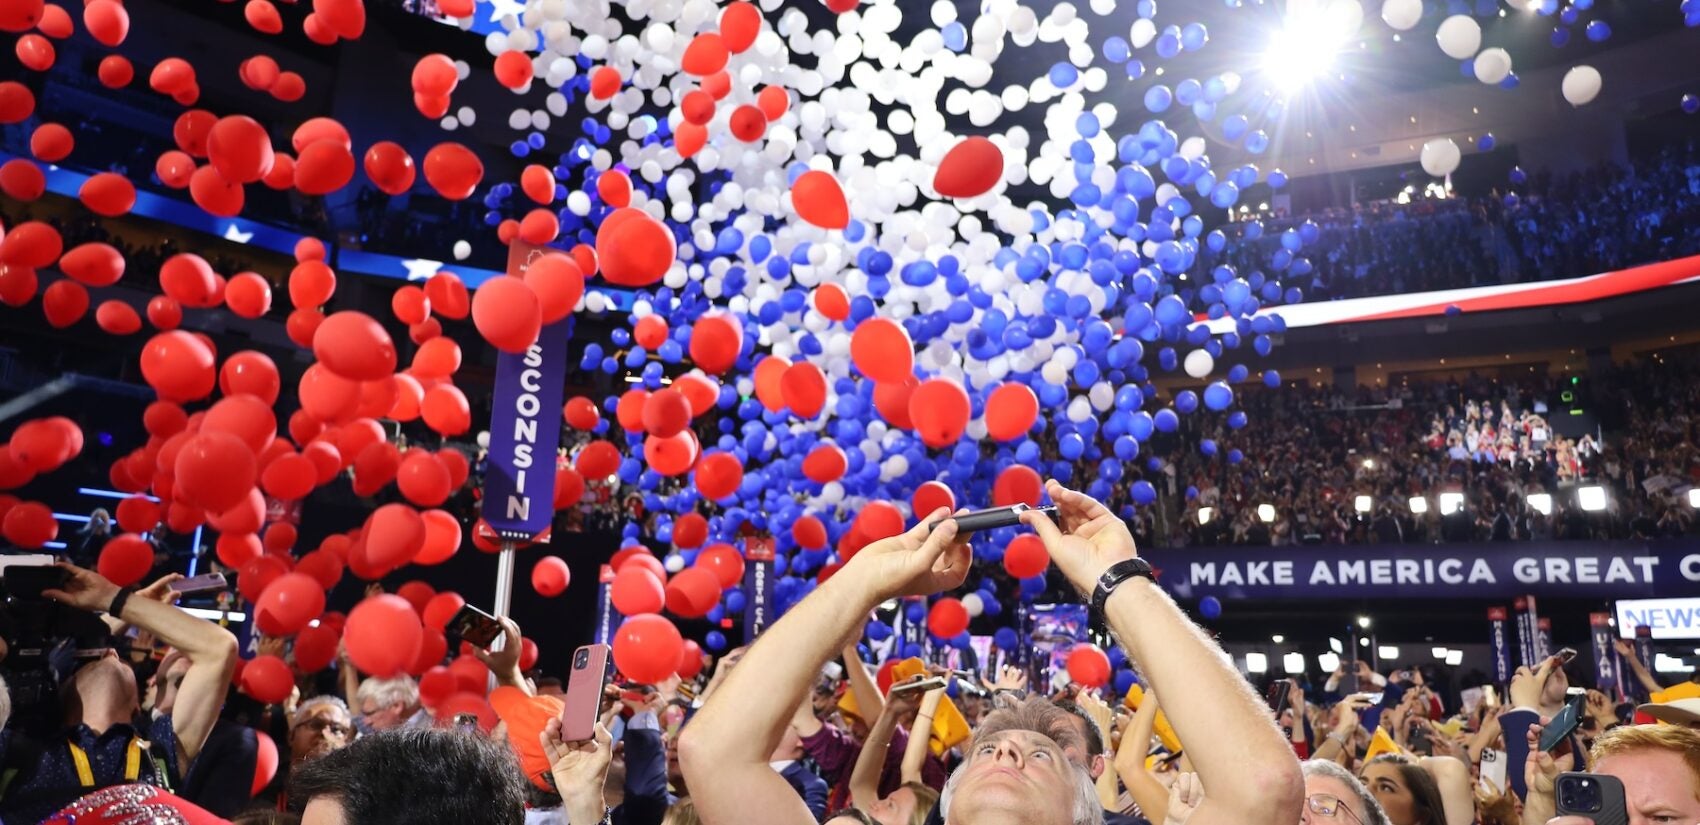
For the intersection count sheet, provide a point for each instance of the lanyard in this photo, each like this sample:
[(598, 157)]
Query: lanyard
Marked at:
[(85, 773)]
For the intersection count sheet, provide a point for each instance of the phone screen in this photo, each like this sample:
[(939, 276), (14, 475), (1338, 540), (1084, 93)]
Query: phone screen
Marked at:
[(1563, 723), (1277, 695), (475, 626)]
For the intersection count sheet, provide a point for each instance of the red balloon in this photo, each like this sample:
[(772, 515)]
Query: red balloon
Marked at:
[(410, 306), (446, 411), (164, 419), (33, 244), (250, 372), (693, 593), (214, 194), (690, 531), (824, 464), (175, 169), (768, 375), (549, 577), (971, 168), (442, 538), (558, 284), (50, 142), (328, 396), (634, 249), (940, 410), (259, 571), (289, 478), (164, 312), (1011, 410), (21, 179), (453, 170), (646, 648), (107, 21), (394, 535), (947, 618), (433, 647), (214, 471), (724, 562), (1026, 557), (637, 590), (809, 533), (774, 103), (93, 264), (1088, 666), (700, 390), (269, 680), (748, 123), (448, 296), (697, 107), (383, 635), (315, 647), (29, 525), (690, 659), (248, 295), (666, 413), (882, 350), (740, 23), (597, 460), (513, 69), (441, 608), (435, 75), (423, 480), (354, 346), (263, 16), (17, 285), (820, 200), (288, 604), (280, 539), (672, 456), (244, 416), (569, 488), (538, 184), (879, 520), (108, 193), (1017, 484), (282, 175), (437, 358), (126, 559), (45, 444), (178, 366), (718, 475), (64, 303), (188, 278), (508, 314), (803, 387), (323, 167), (436, 686), (706, 55), (17, 102), (417, 593), (311, 284), (240, 149), (115, 71), (390, 167), (581, 413), (138, 514), (650, 332), (931, 496), (716, 340)]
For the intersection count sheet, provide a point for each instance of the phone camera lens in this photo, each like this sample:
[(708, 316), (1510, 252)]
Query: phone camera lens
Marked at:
[(582, 659)]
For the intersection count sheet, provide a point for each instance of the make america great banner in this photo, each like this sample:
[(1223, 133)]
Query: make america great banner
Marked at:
[(1589, 569)]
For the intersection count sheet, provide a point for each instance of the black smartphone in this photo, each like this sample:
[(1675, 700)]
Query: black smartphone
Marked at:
[(1565, 655), (1595, 797), (1277, 695), (475, 626), (1565, 721), (27, 583), (201, 583), (995, 518)]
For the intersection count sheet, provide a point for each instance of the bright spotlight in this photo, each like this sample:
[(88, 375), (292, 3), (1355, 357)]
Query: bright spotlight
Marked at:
[(1694, 497), (1296, 57), (1205, 514), (1388, 651), (1591, 498), (1293, 663), (1419, 505), (1542, 502), (1451, 503), (1266, 513), (1328, 662), (1256, 663), (1363, 622), (1362, 504), (1454, 657)]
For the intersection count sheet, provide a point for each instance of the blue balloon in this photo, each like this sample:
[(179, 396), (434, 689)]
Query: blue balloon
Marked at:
[(1166, 420), (1006, 639), (715, 641), (1210, 607), (1158, 99), (1218, 396), (1186, 401), (1143, 493)]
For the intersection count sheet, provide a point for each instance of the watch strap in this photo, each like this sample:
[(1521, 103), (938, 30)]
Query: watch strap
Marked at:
[(1112, 578)]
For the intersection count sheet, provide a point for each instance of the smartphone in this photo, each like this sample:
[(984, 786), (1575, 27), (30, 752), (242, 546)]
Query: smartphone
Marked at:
[(1277, 696), (994, 518), (1565, 721), (933, 683), (584, 693), (475, 626), (27, 583), (200, 584), (1490, 696), (1565, 655), (1595, 797), (1492, 779), (1419, 740), (1375, 698)]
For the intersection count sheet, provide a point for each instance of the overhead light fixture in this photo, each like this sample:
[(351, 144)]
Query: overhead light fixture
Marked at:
[(1277, 638), (1336, 645), (1362, 504), (1328, 662), (1387, 652), (1419, 505), (1440, 652), (1670, 664), (1542, 502), (1451, 503), (1454, 658), (1591, 498), (1363, 621), (1293, 663), (1204, 514), (1266, 513), (1363, 641), (1256, 663)]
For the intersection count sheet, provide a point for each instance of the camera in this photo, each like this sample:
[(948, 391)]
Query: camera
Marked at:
[(1580, 794), (581, 659)]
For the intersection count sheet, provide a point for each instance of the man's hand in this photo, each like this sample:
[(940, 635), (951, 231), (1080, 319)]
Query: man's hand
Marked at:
[(1010, 678), (1184, 797), (1346, 714), (271, 646), (1600, 707), (1296, 697), (1543, 768), (1089, 540), (160, 591), (503, 663), (83, 589), (920, 562), (579, 769), (1095, 708), (1626, 649), (1535, 689)]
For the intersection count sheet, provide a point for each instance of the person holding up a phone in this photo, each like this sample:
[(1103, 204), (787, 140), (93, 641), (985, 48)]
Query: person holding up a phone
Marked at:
[(1534, 696), (1642, 775)]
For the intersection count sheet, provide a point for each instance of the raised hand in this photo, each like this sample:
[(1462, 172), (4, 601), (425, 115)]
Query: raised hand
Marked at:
[(920, 562), (160, 591), (578, 768), (1184, 797), (1088, 540), (84, 589), (1010, 678)]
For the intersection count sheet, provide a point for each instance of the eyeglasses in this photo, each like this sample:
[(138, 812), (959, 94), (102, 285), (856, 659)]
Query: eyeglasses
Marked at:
[(327, 726), (1330, 806)]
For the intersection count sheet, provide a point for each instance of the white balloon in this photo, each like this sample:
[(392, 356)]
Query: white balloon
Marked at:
[(1199, 363), (973, 604), (1440, 157), (673, 563), (463, 250), (1402, 15), (483, 439), (1460, 36), (1582, 84), (1493, 65), (1142, 33)]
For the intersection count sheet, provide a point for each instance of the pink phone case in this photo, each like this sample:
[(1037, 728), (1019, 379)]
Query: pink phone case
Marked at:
[(584, 693)]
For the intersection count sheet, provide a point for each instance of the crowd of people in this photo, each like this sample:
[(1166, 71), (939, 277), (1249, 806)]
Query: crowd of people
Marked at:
[(781, 732), (1331, 465)]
